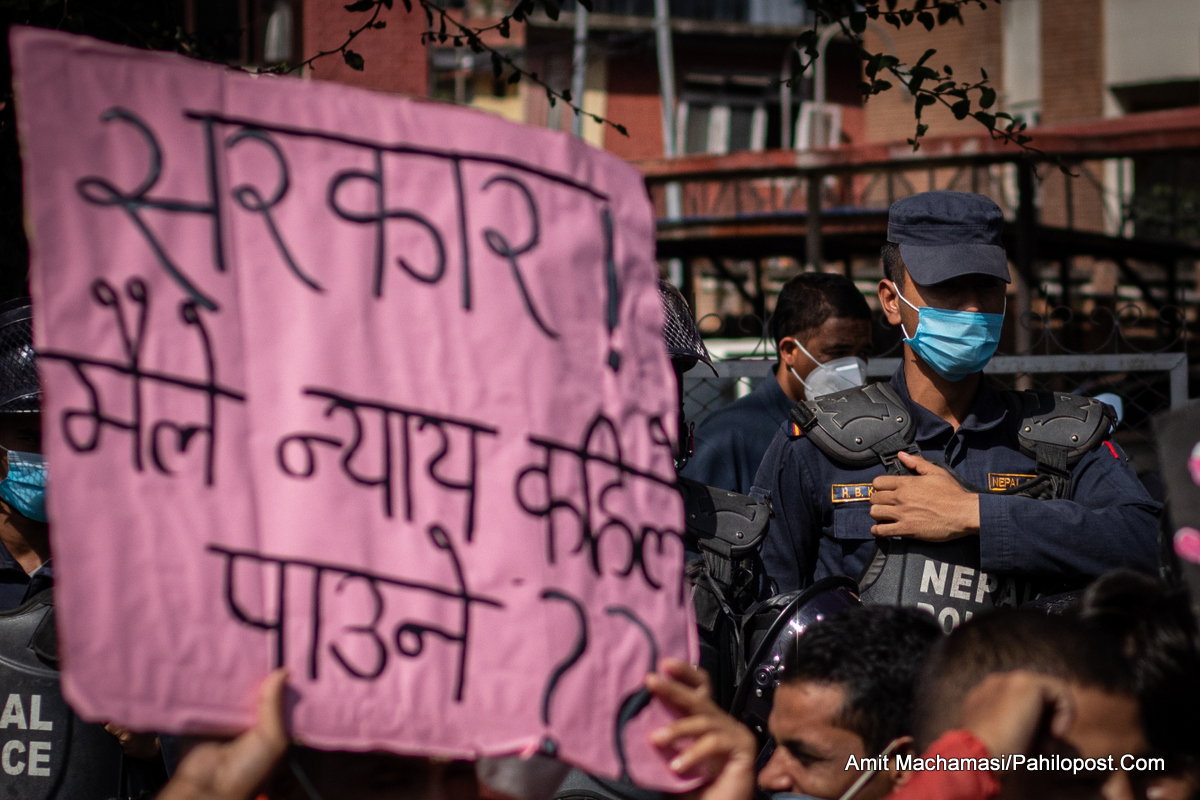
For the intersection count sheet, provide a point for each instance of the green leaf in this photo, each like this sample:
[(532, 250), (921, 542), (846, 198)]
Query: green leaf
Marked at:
[(873, 12), (429, 16), (892, 19), (551, 98), (388, 5), (987, 97), (926, 19), (458, 41), (887, 62), (621, 130), (925, 100), (864, 87), (947, 12), (946, 69), (961, 109), (928, 55), (566, 95), (983, 72), (353, 60), (502, 28), (805, 38), (988, 120), (382, 24), (872, 67), (914, 84), (858, 22), (906, 16), (921, 129), (516, 76), (945, 87), (551, 10), (891, 5), (361, 5), (924, 73), (587, 5), (880, 86)]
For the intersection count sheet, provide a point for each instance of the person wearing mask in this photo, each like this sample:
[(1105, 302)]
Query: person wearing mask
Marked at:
[(936, 490), (822, 331), (25, 557), (844, 702)]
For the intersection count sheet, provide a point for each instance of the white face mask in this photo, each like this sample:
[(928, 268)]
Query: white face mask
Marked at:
[(832, 376)]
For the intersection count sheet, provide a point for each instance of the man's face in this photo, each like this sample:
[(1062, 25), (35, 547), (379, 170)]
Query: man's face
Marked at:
[(982, 293), (1104, 724), (811, 750), (837, 337)]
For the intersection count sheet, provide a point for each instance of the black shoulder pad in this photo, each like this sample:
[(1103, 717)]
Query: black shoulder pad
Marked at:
[(856, 426), (721, 520), (1068, 422)]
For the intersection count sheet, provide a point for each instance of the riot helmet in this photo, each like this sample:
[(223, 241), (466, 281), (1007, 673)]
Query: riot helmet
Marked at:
[(771, 630), (682, 337), (20, 392), (684, 347)]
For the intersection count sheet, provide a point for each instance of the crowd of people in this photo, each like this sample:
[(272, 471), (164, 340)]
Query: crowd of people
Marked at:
[(1009, 632)]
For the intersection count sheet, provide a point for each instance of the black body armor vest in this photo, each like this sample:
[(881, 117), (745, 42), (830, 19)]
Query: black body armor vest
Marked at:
[(46, 751), (871, 424)]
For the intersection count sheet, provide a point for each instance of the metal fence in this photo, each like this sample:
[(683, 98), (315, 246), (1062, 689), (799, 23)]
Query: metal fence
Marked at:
[(1148, 383)]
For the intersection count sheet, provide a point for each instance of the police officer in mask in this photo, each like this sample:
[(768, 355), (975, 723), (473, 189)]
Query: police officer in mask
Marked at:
[(822, 331), (25, 556), (937, 490), (48, 751)]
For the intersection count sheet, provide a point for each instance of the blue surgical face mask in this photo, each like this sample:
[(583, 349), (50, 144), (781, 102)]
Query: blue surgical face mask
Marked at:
[(955, 343), (24, 488)]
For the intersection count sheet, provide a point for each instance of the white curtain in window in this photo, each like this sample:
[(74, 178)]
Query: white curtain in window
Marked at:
[(277, 44)]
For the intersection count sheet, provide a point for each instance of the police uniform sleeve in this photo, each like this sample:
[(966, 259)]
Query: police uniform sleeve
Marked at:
[(713, 462), (1111, 521), (787, 552)]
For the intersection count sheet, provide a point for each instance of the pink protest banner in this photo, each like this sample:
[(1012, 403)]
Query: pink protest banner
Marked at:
[(366, 387)]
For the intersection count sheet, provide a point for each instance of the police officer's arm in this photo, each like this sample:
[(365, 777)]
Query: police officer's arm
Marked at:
[(713, 462), (930, 505), (788, 552), (1111, 522)]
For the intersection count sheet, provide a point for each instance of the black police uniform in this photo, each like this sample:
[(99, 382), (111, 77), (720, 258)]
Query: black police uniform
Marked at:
[(16, 586), (730, 442), (822, 524)]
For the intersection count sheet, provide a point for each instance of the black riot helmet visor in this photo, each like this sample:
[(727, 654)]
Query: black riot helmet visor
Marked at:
[(772, 630), (20, 392)]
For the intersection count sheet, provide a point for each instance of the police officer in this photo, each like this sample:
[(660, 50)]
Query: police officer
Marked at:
[(951, 495), (822, 330), (25, 555)]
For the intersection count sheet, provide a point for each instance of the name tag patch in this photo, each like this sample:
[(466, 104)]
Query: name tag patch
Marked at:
[(850, 492), (1000, 481)]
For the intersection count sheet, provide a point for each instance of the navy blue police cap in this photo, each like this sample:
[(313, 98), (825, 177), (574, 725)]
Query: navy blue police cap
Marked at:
[(946, 234)]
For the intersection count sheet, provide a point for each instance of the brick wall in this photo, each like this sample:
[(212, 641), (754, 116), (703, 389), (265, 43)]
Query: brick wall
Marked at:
[(977, 43), (396, 61), (1072, 91)]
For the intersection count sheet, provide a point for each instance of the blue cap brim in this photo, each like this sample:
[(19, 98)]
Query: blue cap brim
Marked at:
[(933, 264)]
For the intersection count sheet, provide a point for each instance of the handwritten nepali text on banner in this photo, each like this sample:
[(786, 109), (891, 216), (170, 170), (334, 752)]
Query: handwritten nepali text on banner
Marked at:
[(362, 386)]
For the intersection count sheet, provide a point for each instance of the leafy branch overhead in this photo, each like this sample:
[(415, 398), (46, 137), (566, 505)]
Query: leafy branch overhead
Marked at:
[(927, 85), (445, 27)]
